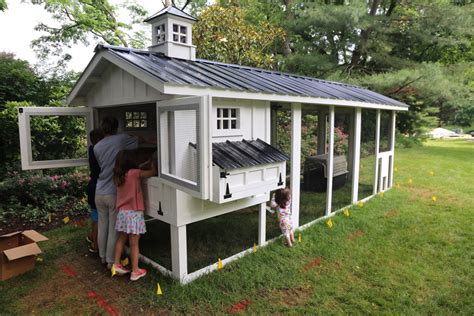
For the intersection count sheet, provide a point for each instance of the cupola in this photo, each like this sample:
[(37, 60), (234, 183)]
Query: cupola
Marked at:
[(171, 30)]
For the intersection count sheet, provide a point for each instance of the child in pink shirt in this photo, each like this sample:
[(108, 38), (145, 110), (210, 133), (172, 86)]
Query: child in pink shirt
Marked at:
[(130, 206)]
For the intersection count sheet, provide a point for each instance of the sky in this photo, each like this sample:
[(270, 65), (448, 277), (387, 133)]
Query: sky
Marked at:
[(17, 31)]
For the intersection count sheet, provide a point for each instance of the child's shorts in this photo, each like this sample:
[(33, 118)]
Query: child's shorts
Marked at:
[(94, 215), (130, 222)]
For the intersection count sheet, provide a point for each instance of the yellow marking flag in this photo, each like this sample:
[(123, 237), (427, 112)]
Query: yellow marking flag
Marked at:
[(431, 173), (395, 169), (360, 204), (158, 289), (381, 194), (397, 185), (329, 223), (219, 264), (66, 219), (113, 270), (410, 180), (346, 212), (124, 262), (299, 237), (434, 198), (254, 247)]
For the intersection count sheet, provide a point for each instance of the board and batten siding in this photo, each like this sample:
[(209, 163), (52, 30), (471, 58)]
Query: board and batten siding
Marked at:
[(118, 87), (253, 117)]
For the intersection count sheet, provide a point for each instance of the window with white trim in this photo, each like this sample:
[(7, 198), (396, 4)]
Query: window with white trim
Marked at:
[(179, 33), (160, 34), (227, 118), (136, 120)]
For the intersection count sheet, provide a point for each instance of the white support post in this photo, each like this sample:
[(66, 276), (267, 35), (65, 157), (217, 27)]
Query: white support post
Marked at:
[(262, 222), (356, 155), (330, 166), (273, 126), (179, 252), (377, 150), (392, 147), (295, 162), (321, 133)]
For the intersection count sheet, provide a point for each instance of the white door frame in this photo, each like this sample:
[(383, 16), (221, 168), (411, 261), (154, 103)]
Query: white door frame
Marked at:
[(24, 115)]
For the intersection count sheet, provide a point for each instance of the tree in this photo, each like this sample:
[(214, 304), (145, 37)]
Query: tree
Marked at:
[(79, 20), (244, 43), (3, 5)]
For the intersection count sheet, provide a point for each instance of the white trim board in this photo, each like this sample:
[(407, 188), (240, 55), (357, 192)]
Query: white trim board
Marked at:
[(215, 92)]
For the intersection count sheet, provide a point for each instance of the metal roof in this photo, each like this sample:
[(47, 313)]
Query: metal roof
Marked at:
[(173, 11), (209, 74), (246, 153)]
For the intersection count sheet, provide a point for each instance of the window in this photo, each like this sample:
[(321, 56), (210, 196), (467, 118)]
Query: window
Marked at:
[(227, 118), (160, 34), (179, 33), (136, 120)]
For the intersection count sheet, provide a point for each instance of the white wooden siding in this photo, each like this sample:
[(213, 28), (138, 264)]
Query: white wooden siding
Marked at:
[(117, 87)]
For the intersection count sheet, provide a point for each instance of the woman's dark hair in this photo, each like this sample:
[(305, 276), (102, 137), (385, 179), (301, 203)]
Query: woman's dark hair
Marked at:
[(109, 125), (96, 135), (125, 160), (282, 196)]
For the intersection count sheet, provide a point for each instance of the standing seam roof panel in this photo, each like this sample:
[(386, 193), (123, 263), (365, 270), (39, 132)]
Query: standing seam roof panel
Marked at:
[(204, 73)]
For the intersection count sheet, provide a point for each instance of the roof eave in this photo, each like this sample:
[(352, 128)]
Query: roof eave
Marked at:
[(175, 89)]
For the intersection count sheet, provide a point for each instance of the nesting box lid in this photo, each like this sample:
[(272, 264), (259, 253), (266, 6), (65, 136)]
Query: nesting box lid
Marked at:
[(245, 153)]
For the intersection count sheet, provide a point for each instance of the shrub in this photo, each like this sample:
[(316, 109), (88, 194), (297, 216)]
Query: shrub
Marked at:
[(31, 196)]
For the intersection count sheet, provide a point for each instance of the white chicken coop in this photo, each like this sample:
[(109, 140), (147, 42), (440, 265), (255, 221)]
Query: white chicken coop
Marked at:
[(214, 126)]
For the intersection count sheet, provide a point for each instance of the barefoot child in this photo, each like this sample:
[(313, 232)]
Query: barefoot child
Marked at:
[(130, 220), (281, 201)]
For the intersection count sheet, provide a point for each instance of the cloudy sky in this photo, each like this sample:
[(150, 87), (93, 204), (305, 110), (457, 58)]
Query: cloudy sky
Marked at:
[(17, 31)]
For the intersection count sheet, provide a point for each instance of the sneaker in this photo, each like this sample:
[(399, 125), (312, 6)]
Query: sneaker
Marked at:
[(137, 275), (92, 249), (120, 269)]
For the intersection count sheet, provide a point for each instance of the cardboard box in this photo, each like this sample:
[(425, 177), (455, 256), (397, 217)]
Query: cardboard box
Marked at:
[(18, 253)]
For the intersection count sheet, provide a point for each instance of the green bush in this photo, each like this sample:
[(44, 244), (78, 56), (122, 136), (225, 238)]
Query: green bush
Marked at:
[(32, 197)]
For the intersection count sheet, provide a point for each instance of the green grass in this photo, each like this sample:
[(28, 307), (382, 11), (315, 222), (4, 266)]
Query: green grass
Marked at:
[(412, 255)]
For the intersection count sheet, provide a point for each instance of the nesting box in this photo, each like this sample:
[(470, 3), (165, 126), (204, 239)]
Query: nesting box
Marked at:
[(246, 168)]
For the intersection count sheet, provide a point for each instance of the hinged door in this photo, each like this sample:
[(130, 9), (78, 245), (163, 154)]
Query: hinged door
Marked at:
[(33, 159), (184, 144)]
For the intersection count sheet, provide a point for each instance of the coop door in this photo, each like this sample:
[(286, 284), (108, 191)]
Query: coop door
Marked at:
[(184, 144), (53, 137)]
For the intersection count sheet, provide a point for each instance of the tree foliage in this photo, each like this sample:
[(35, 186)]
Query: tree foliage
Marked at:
[(81, 20), (3, 5), (244, 43), (22, 86)]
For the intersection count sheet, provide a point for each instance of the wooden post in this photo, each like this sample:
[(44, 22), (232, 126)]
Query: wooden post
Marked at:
[(321, 146), (262, 224), (356, 154), (392, 147), (351, 139), (377, 150), (179, 251), (295, 162), (330, 166)]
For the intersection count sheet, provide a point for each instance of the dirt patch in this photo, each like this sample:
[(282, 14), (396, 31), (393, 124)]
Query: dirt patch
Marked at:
[(82, 285), (356, 235), (18, 224), (287, 296), (316, 262), (391, 213)]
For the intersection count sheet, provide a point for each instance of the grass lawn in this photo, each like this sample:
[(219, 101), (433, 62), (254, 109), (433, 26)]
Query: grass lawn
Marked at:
[(402, 253)]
